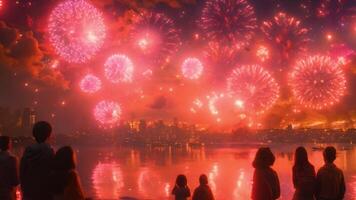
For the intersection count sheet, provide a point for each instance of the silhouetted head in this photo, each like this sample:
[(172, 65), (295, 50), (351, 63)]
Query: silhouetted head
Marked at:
[(301, 157), (329, 154), (5, 143), (181, 180), (264, 158), (64, 159), (41, 131), (203, 179)]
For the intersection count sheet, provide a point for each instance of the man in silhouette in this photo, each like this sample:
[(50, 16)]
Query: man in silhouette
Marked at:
[(330, 183), (9, 178), (35, 165)]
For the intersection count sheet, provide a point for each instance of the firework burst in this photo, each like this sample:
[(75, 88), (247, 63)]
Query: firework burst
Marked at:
[(318, 82), (253, 88), (90, 84), (118, 69), (192, 68), (155, 36), (262, 53), (228, 22), (286, 34), (76, 30), (107, 113)]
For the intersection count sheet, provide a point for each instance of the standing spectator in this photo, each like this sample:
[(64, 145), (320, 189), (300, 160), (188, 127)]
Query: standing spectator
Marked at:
[(65, 181), (35, 165), (330, 183), (265, 180), (303, 176), (203, 191), (181, 190), (9, 179)]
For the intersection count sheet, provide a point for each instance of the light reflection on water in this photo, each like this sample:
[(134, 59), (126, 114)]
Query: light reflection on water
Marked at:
[(110, 173)]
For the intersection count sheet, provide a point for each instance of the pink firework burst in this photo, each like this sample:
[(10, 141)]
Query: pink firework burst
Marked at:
[(253, 88), (76, 30), (262, 53), (119, 69), (155, 36), (192, 68), (107, 113), (90, 84), (317, 82), (287, 34), (229, 22)]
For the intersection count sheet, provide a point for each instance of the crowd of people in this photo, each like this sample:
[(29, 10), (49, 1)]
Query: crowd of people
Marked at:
[(48, 175)]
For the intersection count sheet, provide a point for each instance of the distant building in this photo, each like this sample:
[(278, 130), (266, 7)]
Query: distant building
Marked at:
[(28, 118)]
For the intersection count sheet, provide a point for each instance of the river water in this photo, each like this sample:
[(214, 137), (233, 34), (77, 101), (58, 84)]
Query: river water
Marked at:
[(114, 172), (110, 173)]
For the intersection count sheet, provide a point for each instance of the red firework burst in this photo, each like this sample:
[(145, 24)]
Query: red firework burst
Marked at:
[(155, 36), (107, 113), (90, 84), (318, 82), (287, 34), (253, 88), (76, 30), (228, 22)]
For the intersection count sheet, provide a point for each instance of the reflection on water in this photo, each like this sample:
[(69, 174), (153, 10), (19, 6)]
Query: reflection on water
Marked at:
[(150, 174), (107, 180)]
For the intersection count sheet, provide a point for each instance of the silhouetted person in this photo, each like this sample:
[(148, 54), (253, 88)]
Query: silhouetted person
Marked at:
[(303, 176), (181, 190), (330, 183), (65, 182), (203, 191), (265, 184), (36, 164), (9, 178)]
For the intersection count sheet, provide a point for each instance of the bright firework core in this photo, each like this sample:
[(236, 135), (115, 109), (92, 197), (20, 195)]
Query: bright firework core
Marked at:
[(76, 30), (107, 113), (155, 36), (253, 88), (318, 82), (192, 68), (90, 84), (118, 69)]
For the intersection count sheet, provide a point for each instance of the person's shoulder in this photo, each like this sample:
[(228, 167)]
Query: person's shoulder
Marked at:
[(13, 158), (322, 169), (73, 173), (338, 170)]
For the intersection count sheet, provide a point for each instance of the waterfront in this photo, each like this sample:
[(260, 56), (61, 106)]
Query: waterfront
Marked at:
[(114, 172)]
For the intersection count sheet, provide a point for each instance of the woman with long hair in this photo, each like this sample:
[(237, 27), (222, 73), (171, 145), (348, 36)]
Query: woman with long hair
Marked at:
[(181, 190), (265, 184), (303, 176), (65, 181)]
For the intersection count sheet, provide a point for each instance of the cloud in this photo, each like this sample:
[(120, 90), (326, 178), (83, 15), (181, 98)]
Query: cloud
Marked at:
[(20, 52), (159, 103)]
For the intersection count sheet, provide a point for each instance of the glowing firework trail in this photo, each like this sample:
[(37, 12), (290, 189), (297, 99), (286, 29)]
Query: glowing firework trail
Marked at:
[(286, 33), (212, 100), (228, 22), (318, 82), (156, 36), (118, 68), (197, 105), (90, 84), (76, 30), (253, 88), (107, 113), (192, 68)]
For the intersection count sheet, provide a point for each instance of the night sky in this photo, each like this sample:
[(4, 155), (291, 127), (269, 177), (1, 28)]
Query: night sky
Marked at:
[(33, 74)]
